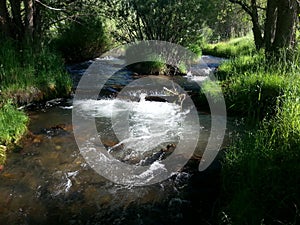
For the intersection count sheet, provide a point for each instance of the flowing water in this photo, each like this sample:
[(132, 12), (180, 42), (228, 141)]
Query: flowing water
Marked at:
[(47, 181)]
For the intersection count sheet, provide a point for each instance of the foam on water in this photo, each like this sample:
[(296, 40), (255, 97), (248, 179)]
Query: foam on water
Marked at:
[(148, 125)]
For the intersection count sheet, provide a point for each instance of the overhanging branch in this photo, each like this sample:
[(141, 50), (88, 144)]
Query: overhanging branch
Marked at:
[(49, 7)]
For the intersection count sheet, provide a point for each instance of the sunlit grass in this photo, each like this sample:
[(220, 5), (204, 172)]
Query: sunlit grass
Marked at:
[(12, 124), (232, 48), (261, 169)]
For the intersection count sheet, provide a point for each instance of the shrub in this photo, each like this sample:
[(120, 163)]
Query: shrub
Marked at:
[(82, 39)]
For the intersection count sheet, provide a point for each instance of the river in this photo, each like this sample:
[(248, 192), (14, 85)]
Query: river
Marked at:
[(47, 181)]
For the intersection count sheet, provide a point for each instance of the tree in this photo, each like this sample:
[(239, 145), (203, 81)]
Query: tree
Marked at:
[(278, 29), (176, 21), (281, 25), (31, 19)]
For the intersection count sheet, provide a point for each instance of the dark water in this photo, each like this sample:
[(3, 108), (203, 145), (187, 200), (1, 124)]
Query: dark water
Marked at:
[(47, 181)]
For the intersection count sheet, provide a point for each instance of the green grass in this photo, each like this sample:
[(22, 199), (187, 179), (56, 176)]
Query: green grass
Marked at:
[(27, 74), (251, 84), (261, 167), (13, 125), (232, 48)]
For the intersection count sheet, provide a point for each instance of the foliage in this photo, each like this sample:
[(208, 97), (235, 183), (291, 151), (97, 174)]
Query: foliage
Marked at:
[(227, 21), (274, 24), (81, 39), (177, 21), (13, 124)]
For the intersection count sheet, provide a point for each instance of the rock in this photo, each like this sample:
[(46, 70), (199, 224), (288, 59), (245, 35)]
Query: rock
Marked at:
[(37, 139), (58, 130), (58, 147), (155, 99)]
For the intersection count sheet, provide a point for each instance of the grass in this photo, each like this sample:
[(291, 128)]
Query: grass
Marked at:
[(27, 74), (232, 48), (251, 84), (261, 167), (12, 124)]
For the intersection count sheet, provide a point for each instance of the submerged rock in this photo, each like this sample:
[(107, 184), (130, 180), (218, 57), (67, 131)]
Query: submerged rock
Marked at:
[(58, 130)]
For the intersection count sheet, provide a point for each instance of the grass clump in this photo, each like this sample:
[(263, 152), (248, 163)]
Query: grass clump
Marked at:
[(232, 48), (253, 94), (251, 85), (13, 125)]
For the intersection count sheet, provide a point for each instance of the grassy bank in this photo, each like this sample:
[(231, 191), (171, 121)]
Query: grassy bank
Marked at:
[(27, 74), (261, 167), (31, 74), (234, 47)]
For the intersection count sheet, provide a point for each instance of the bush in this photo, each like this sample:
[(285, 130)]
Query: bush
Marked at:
[(82, 39)]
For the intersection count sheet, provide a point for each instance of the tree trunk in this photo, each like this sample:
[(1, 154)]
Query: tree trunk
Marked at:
[(29, 18), (270, 24), (4, 19), (287, 20), (258, 38), (18, 26)]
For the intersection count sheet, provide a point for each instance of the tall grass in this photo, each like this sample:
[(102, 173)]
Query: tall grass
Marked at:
[(13, 124), (27, 74), (261, 168), (251, 84)]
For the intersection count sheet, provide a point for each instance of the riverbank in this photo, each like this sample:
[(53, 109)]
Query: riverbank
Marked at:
[(260, 170), (27, 74)]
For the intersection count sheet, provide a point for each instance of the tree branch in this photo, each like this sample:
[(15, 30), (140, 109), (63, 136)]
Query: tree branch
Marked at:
[(246, 7), (49, 7)]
